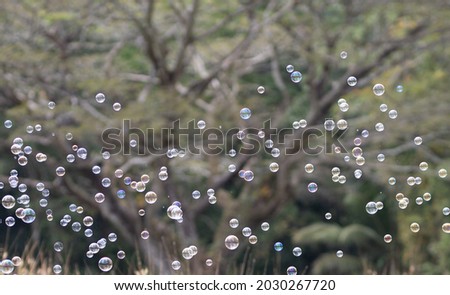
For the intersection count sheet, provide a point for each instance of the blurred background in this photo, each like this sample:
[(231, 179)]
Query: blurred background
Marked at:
[(164, 61)]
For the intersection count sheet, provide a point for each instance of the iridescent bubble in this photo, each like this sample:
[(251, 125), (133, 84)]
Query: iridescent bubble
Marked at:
[(174, 212), (446, 228), (268, 143), (291, 270), (289, 68), (419, 201), (99, 197), (335, 171), (117, 106), (418, 140), (383, 107), (60, 171), (343, 54), (380, 205), (278, 246), (296, 76), (329, 125), (339, 253), (426, 196), (249, 175), (163, 175), (260, 89), (201, 124), (140, 186), (76, 226), (196, 194), (28, 215), (387, 238), (100, 97), (6, 266), (246, 231), (106, 182), (378, 89), (231, 242), (352, 81), (88, 221), (342, 124), (58, 246), (274, 167), (442, 173), (379, 127), (16, 149), (57, 269), (121, 254), (275, 152), (209, 262), (96, 169), (176, 265), (313, 187), (245, 113), (414, 227), (82, 153), (371, 208), (297, 251), (357, 152), (446, 211), (418, 180), (234, 223), (16, 260), (70, 158), (393, 114), (10, 221), (423, 166), (105, 264), (411, 181), (309, 168), (265, 226), (253, 239), (344, 107), (392, 181), (145, 234), (360, 161), (399, 88), (151, 197), (88, 233), (8, 201), (187, 253), (121, 194), (8, 124)]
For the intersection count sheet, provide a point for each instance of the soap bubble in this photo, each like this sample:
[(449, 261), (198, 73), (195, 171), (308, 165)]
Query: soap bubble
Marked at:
[(289, 68), (231, 242), (105, 264), (399, 88), (28, 215), (342, 124), (260, 89), (278, 246), (352, 81), (100, 97), (234, 223), (378, 89), (274, 167), (418, 140), (246, 231), (371, 208), (121, 254), (8, 201), (209, 262), (415, 227), (329, 125), (387, 238), (196, 194), (446, 211), (57, 269), (312, 187), (245, 113), (328, 216), (151, 197), (297, 251), (201, 124), (343, 54), (423, 166), (296, 76), (442, 173), (253, 239), (379, 127), (309, 168), (265, 226), (8, 124), (446, 228), (176, 265), (291, 270), (339, 253), (117, 106)]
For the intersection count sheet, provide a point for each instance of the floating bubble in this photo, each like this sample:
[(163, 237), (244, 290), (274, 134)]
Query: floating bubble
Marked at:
[(174, 212), (99, 197), (360, 161), (76, 226), (418, 180), (196, 194), (392, 180), (8, 201), (387, 238), (265, 226), (381, 157), (210, 192), (296, 76), (234, 223), (212, 200), (383, 107), (426, 196), (245, 113), (274, 167), (88, 233), (328, 216), (339, 253), (201, 124), (313, 187), (303, 123), (8, 124), (446, 228), (58, 246), (70, 158), (380, 205), (261, 134), (163, 175), (415, 227), (403, 204), (393, 114), (117, 106), (240, 135), (28, 215), (96, 169), (176, 265), (231, 242), (411, 181), (16, 149), (344, 107), (246, 231), (446, 211), (278, 246), (399, 88), (145, 234), (51, 105), (209, 262), (88, 221), (10, 221), (379, 127), (100, 97), (16, 260), (342, 179), (352, 81), (357, 152), (329, 125), (253, 239), (343, 54), (342, 124), (275, 152), (151, 197), (291, 270), (249, 175), (133, 143), (187, 253), (309, 168), (106, 182), (419, 201), (371, 208), (297, 251), (260, 89), (29, 129), (378, 89), (121, 254), (442, 173), (105, 264), (6, 266), (121, 194), (60, 171), (268, 143), (289, 68), (418, 140), (57, 269), (423, 166)]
